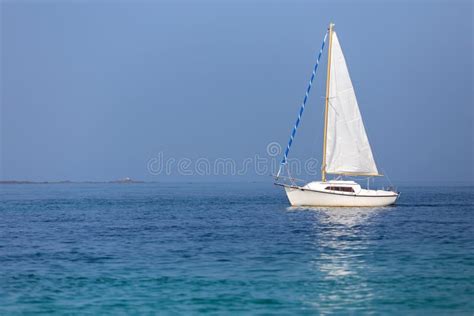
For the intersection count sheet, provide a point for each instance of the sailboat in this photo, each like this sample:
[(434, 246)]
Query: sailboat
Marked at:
[(346, 148)]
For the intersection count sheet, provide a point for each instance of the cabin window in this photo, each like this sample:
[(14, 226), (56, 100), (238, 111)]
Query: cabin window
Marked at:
[(343, 189)]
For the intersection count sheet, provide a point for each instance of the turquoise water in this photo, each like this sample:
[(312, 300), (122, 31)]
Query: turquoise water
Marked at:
[(215, 248)]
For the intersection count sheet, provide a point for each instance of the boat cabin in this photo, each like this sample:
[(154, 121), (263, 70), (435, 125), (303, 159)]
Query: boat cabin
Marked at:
[(337, 186)]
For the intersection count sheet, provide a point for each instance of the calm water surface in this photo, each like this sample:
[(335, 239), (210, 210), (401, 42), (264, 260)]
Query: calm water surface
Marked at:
[(213, 248)]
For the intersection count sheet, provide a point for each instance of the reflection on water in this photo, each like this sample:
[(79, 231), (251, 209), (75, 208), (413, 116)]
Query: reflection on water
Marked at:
[(348, 217), (343, 240)]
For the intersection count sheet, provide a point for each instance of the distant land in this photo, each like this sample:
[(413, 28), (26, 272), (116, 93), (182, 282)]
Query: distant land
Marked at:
[(120, 181), (398, 183)]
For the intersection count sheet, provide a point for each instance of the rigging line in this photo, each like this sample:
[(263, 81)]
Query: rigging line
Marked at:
[(386, 175), (300, 113)]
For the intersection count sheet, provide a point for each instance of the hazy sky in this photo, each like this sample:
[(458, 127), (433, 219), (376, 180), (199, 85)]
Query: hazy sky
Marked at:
[(95, 89)]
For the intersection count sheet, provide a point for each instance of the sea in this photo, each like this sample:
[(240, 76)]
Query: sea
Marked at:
[(231, 248)]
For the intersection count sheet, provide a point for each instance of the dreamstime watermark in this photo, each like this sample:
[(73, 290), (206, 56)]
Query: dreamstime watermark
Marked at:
[(260, 165)]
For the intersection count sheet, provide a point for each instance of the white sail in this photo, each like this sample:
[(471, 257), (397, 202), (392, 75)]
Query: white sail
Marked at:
[(348, 149)]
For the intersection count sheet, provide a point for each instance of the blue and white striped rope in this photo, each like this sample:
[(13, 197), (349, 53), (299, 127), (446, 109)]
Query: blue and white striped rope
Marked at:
[(293, 133)]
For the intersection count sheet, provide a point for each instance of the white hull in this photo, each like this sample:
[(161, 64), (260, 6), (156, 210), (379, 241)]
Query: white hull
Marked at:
[(299, 196)]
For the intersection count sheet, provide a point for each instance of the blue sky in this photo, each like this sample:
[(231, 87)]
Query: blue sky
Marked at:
[(93, 90)]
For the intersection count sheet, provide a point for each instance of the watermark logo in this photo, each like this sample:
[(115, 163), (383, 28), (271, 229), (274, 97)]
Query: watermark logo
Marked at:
[(273, 149), (258, 164)]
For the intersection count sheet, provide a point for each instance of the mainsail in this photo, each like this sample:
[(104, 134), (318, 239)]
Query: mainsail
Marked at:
[(347, 147)]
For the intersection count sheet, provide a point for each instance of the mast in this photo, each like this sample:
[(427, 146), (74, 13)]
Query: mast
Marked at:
[(323, 166)]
